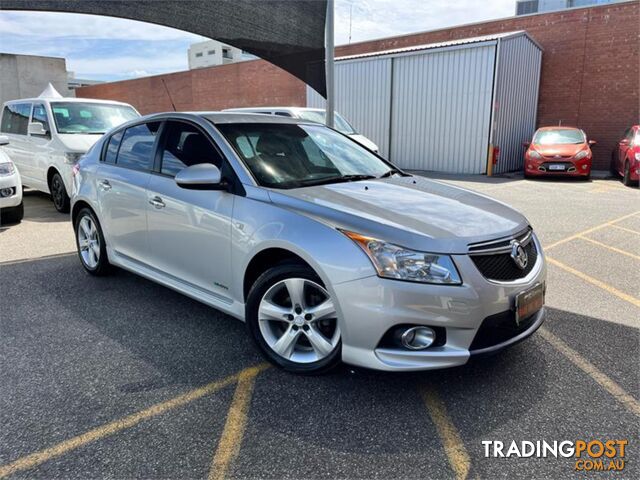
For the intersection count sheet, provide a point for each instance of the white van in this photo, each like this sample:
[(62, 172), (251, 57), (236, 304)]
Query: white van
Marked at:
[(313, 115), (48, 135)]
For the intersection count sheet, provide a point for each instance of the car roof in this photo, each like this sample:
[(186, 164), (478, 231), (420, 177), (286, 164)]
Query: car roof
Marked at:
[(559, 127), (66, 100), (267, 109), (228, 117)]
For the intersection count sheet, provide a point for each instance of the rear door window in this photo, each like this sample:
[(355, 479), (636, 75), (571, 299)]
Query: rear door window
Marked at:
[(111, 151), (137, 147), (15, 118)]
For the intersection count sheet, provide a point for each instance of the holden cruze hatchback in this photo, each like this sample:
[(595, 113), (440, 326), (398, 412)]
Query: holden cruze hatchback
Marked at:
[(325, 250)]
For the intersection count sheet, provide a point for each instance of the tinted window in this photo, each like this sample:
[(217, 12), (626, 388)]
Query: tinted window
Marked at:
[(136, 148), (184, 146), (90, 118), (112, 148), (40, 115), (15, 118)]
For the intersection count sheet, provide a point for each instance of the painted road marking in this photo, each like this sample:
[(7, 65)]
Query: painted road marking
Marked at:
[(589, 230), (33, 259), (453, 444), (116, 426), (586, 366), (624, 229), (233, 433), (609, 247), (614, 291)]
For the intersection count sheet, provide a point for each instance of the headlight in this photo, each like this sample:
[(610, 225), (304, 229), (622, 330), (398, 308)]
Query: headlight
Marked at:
[(392, 261), (581, 154), (6, 168), (72, 157), (534, 155)]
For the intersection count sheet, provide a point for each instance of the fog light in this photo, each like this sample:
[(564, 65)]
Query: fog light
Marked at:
[(418, 338), (584, 167), (6, 192)]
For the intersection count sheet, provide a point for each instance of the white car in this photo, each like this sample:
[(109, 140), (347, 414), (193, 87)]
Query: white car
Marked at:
[(48, 135), (313, 115), (11, 209)]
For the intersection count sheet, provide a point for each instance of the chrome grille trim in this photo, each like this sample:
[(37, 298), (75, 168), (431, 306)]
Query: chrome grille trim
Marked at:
[(487, 248)]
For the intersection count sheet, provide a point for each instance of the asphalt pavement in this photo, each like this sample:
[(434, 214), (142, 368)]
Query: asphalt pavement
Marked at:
[(118, 377)]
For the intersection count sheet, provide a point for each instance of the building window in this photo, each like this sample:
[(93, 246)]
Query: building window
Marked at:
[(526, 7), (199, 54), (211, 52), (226, 53)]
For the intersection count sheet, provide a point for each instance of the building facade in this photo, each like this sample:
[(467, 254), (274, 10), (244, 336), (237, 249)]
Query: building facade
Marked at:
[(526, 7), (589, 74), (26, 76), (212, 53)]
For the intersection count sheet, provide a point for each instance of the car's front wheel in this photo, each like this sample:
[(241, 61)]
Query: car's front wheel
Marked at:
[(293, 320), (59, 194), (90, 243)]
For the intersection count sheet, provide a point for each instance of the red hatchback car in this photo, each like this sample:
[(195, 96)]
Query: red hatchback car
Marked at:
[(558, 151), (626, 156)]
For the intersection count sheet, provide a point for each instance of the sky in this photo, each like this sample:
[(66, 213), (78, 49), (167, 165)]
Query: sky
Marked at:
[(104, 48)]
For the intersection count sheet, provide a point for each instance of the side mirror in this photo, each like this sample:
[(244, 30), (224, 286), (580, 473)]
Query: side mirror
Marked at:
[(4, 140), (203, 176), (36, 128), (592, 142), (526, 144)]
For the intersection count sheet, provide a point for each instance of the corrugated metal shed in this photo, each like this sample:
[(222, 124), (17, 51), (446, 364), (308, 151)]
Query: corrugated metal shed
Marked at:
[(440, 106)]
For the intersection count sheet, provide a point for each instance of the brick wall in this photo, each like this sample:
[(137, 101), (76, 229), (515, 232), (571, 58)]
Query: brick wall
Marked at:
[(590, 73)]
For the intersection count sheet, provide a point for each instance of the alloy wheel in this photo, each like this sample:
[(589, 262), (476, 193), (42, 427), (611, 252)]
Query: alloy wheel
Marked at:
[(57, 191), (88, 242), (298, 320)]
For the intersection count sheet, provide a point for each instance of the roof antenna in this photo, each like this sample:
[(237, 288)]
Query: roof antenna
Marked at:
[(168, 94)]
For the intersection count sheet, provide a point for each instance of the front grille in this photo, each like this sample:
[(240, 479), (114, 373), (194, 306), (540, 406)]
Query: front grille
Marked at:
[(499, 328), (493, 259)]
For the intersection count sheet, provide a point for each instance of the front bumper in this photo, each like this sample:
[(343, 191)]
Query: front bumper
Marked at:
[(573, 168), (11, 181), (371, 306)]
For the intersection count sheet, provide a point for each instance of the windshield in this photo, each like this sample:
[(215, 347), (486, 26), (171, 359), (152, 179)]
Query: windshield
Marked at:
[(90, 118), (292, 156), (319, 116), (558, 137)]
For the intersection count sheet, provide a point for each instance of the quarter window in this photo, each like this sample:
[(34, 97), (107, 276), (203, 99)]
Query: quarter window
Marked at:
[(184, 146), (136, 148), (112, 148), (15, 118)]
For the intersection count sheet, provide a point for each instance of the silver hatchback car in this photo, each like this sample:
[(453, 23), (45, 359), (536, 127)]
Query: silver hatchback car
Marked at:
[(325, 250)]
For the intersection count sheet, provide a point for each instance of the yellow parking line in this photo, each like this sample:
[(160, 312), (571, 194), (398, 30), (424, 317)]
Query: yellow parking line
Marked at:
[(589, 230), (116, 426), (626, 229), (624, 296), (453, 445), (586, 366), (609, 247), (231, 439)]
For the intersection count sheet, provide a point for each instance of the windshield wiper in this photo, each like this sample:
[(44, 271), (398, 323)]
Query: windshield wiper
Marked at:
[(390, 172), (344, 178)]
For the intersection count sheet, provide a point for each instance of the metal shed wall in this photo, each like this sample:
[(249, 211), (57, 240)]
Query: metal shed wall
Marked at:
[(441, 109), (516, 99), (363, 96)]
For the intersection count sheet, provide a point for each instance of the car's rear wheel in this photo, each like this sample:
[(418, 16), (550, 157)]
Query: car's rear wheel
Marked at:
[(293, 320), (90, 242), (12, 215), (626, 178), (59, 194)]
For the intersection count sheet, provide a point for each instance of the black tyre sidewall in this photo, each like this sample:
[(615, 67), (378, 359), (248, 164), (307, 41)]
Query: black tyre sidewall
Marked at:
[(626, 178), (259, 288), (66, 202), (12, 214), (103, 266)]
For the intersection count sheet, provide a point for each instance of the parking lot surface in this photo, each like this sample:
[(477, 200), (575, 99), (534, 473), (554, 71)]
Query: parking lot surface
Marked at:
[(117, 377)]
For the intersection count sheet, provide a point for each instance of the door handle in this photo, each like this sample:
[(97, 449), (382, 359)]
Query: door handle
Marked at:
[(157, 202), (104, 185)]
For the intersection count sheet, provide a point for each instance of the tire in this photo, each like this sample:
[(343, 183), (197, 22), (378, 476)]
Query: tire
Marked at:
[(626, 178), (59, 194), (12, 215), (270, 299), (93, 253)]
